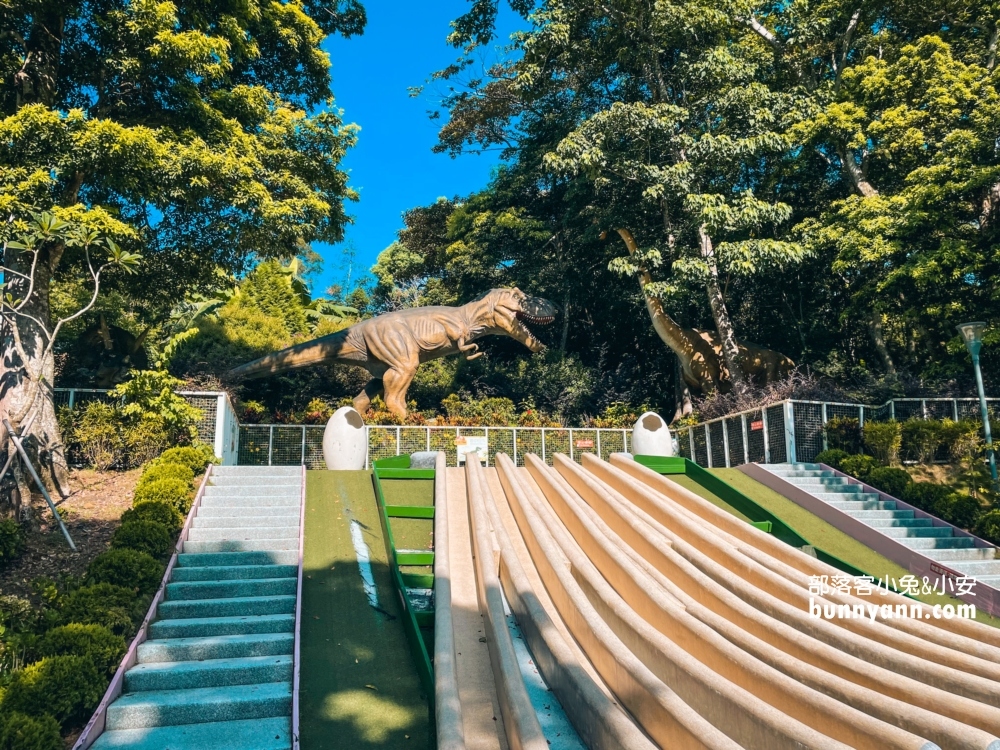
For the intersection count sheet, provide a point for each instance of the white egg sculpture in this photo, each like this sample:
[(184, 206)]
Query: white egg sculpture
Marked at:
[(651, 436), (345, 444)]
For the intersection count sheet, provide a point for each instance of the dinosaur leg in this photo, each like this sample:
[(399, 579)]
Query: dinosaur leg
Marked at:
[(396, 383), (471, 351), (364, 399)]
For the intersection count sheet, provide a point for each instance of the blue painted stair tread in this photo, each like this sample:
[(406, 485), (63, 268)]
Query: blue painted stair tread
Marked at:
[(216, 670), (936, 542)]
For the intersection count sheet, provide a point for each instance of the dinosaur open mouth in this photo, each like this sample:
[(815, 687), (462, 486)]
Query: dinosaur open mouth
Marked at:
[(535, 320)]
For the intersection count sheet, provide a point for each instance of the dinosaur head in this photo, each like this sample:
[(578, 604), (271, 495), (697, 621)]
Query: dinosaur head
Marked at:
[(512, 309)]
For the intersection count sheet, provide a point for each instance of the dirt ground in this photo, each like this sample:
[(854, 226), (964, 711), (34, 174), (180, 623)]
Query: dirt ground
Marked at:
[(91, 514)]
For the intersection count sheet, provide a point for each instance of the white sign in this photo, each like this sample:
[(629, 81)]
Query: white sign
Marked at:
[(471, 445)]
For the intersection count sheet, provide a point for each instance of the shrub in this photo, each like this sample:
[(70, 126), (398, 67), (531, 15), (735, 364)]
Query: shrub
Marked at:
[(98, 435), (175, 492), (17, 615), (96, 643), (145, 438), (958, 509), (988, 526), (162, 470), (145, 536), (11, 540), (844, 433), (114, 607), (66, 687), (252, 412), (195, 457), (127, 568), (925, 495), (858, 466), (833, 457), (153, 510), (891, 481), (19, 731), (151, 394), (884, 440), (922, 438)]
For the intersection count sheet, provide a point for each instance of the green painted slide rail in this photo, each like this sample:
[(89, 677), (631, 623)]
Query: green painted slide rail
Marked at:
[(418, 623), (759, 516)]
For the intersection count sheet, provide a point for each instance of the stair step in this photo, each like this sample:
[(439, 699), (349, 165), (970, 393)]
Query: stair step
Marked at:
[(969, 554), (246, 734), (215, 647), (256, 471), (183, 675), (226, 559), (242, 480), (909, 523), (975, 568), (230, 607), (158, 708), (940, 543), (849, 505), (231, 588), (203, 534), (903, 532), (871, 514), (283, 517), (795, 474), (251, 502), (233, 573), (244, 545), (201, 627)]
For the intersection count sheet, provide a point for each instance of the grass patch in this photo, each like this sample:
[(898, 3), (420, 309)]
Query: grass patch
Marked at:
[(359, 686)]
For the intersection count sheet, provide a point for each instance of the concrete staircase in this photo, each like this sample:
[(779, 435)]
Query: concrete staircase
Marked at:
[(936, 542), (216, 670)]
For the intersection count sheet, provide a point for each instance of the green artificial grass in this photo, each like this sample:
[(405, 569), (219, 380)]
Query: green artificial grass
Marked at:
[(813, 528), (359, 687)]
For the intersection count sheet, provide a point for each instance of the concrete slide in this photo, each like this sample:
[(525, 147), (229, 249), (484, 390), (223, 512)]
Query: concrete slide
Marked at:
[(658, 620)]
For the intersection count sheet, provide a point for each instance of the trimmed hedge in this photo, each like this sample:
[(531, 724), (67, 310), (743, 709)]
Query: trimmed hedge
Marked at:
[(68, 688), (11, 540), (832, 457), (155, 472), (195, 457), (959, 510), (171, 491), (884, 439), (925, 495), (128, 568), (99, 645), (114, 607), (988, 526), (18, 731), (891, 481), (859, 466), (164, 514), (146, 536)]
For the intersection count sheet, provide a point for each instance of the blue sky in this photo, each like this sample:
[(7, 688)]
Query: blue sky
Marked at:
[(392, 167)]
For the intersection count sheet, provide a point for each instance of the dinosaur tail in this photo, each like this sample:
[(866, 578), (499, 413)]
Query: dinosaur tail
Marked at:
[(325, 349)]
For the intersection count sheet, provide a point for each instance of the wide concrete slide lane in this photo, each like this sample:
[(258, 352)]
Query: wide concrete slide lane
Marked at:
[(216, 668)]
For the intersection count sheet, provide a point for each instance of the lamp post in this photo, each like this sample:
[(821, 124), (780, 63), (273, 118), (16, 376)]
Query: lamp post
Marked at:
[(972, 333)]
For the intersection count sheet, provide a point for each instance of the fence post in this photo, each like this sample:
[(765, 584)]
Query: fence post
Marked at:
[(694, 456), (72, 398), (790, 453), (861, 418), (767, 442), (725, 441), (487, 462), (625, 441), (397, 442), (544, 460), (270, 444), (708, 445), (514, 429), (746, 438), (571, 446), (892, 409), (428, 437), (368, 444), (954, 408), (923, 407), (598, 444), (303, 445)]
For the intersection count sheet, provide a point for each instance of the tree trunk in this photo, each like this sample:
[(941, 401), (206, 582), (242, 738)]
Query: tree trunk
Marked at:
[(727, 338), (875, 328), (565, 329), (682, 394)]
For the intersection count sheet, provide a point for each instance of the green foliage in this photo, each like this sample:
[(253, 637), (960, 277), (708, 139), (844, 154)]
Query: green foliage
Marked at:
[(175, 492), (252, 412), (922, 438), (96, 643), (844, 433), (150, 403), (66, 687), (958, 509), (891, 481), (163, 470), (833, 457), (11, 540), (19, 731), (165, 514), (858, 466), (128, 568), (927, 496), (97, 434), (114, 607), (196, 457), (145, 536), (988, 526), (884, 439)]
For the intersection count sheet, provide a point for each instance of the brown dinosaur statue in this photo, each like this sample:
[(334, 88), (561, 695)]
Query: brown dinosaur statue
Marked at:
[(393, 345), (700, 352)]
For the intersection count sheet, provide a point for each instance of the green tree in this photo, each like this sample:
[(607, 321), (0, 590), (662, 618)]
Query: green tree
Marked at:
[(201, 135)]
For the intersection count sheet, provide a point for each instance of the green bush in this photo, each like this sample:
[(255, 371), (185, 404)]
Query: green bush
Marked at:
[(68, 688), (988, 526), (844, 433), (11, 540), (151, 394), (19, 731), (153, 510), (858, 466), (146, 536), (922, 438), (884, 440), (145, 438), (832, 457), (162, 470), (128, 568), (98, 435), (959, 509), (99, 645), (196, 457), (115, 607), (175, 492), (891, 481), (925, 495)]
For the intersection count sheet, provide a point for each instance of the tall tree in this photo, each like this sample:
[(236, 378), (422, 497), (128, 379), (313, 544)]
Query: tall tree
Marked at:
[(197, 134)]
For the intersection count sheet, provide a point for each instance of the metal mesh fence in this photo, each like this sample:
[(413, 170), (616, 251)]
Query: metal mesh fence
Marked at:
[(684, 443), (734, 428), (700, 447), (208, 405), (254, 445), (755, 436), (611, 441), (716, 434), (776, 434), (808, 431)]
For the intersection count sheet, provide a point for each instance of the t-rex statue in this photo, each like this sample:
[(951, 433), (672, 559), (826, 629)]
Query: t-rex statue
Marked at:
[(393, 345)]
